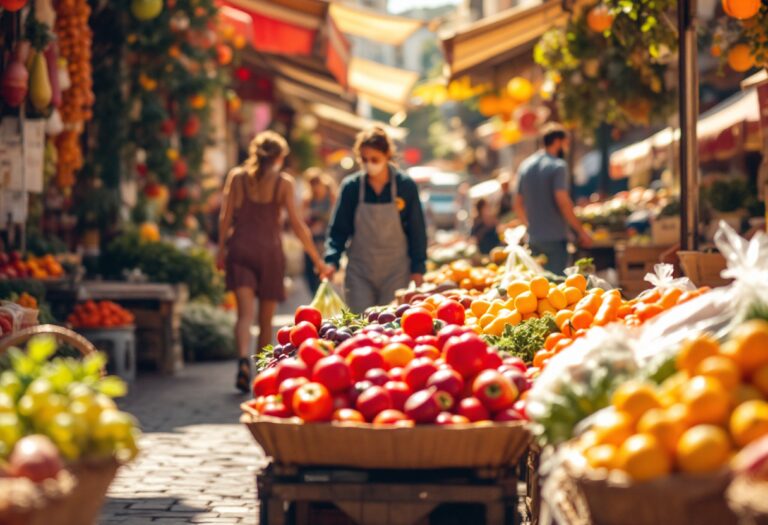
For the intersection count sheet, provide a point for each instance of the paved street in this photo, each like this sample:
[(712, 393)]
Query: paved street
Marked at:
[(198, 463)]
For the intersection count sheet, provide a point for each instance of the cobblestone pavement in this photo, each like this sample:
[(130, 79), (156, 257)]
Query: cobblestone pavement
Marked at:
[(198, 463)]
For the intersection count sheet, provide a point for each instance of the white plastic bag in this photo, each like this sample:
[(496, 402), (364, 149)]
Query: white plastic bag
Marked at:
[(518, 255)]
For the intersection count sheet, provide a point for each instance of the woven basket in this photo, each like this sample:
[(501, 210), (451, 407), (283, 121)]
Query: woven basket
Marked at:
[(291, 442), (748, 498), (703, 268), (61, 334)]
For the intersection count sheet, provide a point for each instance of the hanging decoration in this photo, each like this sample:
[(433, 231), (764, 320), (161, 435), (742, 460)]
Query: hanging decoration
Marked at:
[(145, 10), (610, 64), (741, 40), (13, 5), (741, 9)]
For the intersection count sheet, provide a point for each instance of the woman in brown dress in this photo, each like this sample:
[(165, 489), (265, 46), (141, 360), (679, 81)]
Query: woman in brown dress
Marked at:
[(250, 245)]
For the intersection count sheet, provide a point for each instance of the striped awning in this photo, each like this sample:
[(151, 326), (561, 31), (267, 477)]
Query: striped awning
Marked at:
[(383, 87), (374, 25)]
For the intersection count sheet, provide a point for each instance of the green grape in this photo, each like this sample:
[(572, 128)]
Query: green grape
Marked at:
[(11, 384), (105, 402), (41, 348), (6, 403), (68, 449), (53, 405), (79, 392), (40, 389), (61, 428), (10, 430), (113, 425), (27, 405)]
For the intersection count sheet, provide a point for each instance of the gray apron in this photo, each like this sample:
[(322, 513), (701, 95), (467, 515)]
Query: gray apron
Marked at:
[(378, 253)]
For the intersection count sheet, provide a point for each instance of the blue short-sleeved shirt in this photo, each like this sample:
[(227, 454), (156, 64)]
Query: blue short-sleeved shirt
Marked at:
[(539, 177)]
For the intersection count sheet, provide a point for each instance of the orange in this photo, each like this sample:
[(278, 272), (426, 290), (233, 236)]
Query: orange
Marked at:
[(515, 288), (540, 287), (602, 456), (749, 422), (479, 307), (664, 425), (526, 303), (643, 458), (495, 327), (702, 449), (486, 320), (552, 340), (562, 316), (545, 307), (720, 368), (694, 351), (670, 298), (612, 428), (577, 281), (572, 295), (581, 319), (707, 400), (541, 356), (740, 58), (750, 345), (590, 303), (635, 398), (495, 307), (557, 299), (397, 355), (672, 387), (760, 379)]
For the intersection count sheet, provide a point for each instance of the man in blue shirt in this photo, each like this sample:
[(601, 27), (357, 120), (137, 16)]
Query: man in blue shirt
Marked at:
[(543, 203)]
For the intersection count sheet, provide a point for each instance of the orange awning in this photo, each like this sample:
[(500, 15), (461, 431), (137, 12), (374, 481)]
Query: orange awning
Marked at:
[(373, 25), (383, 87)]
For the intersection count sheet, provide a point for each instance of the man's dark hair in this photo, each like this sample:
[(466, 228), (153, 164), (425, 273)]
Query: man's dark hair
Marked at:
[(552, 132)]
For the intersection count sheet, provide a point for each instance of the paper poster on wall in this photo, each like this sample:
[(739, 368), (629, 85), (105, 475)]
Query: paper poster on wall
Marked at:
[(10, 154), (34, 154), (13, 207)]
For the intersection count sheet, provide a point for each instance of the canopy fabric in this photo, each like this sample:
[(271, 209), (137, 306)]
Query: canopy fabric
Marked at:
[(496, 39), (373, 25), (338, 53), (353, 122), (383, 87), (239, 20), (720, 130), (307, 94), (283, 26)]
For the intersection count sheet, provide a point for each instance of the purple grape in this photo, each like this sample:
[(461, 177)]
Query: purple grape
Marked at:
[(343, 334), (357, 389), (324, 329), (401, 310), (387, 317), (330, 334), (375, 328), (289, 350), (373, 316), (277, 351)]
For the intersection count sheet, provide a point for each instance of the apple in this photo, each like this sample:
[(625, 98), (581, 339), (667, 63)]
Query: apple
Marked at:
[(515, 376), (429, 340), (357, 389), (308, 314), (301, 332), (450, 331), (519, 406), (491, 360), (494, 390), (508, 414), (516, 362), (276, 409), (377, 376), (341, 400), (284, 335), (466, 354), (396, 373), (473, 410), (447, 380), (360, 360), (373, 401), (332, 372), (444, 418), (291, 367), (399, 391), (358, 341), (389, 417), (423, 406), (404, 339), (428, 351), (312, 350), (289, 387), (265, 383), (418, 371)]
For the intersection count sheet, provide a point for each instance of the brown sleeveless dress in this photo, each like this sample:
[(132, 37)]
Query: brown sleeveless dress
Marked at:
[(255, 256)]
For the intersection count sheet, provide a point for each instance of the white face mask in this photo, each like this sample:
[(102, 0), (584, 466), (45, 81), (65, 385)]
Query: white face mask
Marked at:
[(374, 169)]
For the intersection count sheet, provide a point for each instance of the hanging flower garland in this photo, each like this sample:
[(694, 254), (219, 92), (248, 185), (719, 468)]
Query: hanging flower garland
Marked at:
[(610, 64)]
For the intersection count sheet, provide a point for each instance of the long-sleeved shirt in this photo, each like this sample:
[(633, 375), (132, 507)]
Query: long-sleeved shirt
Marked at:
[(342, 226)]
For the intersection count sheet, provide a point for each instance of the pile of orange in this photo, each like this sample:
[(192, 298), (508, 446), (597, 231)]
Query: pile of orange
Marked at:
[(45, 267), (27, 301), (599, 308), (715, 404), (465, 275), (104, 314)]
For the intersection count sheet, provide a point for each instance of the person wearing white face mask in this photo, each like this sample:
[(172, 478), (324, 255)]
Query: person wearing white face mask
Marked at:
[(379, 222), (250, 245)]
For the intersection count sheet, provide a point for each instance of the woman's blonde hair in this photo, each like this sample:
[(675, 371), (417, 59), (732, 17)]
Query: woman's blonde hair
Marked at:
[(265, 149), (376, 138)]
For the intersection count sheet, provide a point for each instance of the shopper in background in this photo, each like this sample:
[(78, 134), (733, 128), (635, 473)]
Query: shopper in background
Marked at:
[(485, 227), (250, 244), (505, 199), (318, 207), (379, 212), (542, 200)]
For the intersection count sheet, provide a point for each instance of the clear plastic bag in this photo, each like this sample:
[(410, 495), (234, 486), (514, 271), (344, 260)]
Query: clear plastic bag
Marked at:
[(520, 263), (328, 302), (14, 314)]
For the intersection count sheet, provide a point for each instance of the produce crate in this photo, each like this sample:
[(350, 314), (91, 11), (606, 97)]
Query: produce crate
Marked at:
[(633, 263), (748, 498), (678, 498), (665, 231), (342, 496), (290, 442), (703, 268)]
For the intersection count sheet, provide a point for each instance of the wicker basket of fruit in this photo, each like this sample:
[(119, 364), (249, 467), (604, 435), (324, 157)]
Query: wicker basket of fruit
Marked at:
[(62, 438), (748, 493)]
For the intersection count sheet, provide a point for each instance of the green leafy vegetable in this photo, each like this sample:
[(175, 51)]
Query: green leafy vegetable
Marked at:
[(525, 339)]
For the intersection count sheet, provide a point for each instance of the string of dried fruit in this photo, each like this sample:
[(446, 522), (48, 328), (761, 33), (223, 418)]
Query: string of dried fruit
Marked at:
[(75, 40)]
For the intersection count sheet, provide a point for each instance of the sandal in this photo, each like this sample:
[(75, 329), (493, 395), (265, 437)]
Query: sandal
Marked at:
[(243, 383)]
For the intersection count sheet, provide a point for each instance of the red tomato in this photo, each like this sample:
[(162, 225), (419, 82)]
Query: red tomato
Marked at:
[(373, 401), (341, 400), (427, 351), (491, 360), (333, 373), (312, 402), (291, 367), (377, 376), (348, 415), (358, 341), (399, 391), (417, 322), (451, 312), (494, 390), (312, 350), (301, 332), (516, 362), (289, 387), (284, 335), (396, 374), (389, 417), (447, 380), (404, 339), (276, 409), (446, 418), (417, 372), (309, 314), (508, 414), (466, 354), (424, 406), (266, 383), (430, 340), (449, 331), (360, 360), (472, 409)]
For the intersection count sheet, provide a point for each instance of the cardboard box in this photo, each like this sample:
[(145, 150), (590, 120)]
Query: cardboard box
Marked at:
[(704, 268), (291, 442), (665, 231)]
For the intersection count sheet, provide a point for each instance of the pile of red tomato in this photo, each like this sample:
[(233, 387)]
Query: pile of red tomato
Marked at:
[(420, 372)]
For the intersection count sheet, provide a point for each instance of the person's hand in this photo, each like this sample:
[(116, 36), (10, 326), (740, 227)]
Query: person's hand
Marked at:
[(326, 271), (417, 278), (221, 259), (585, 239)]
